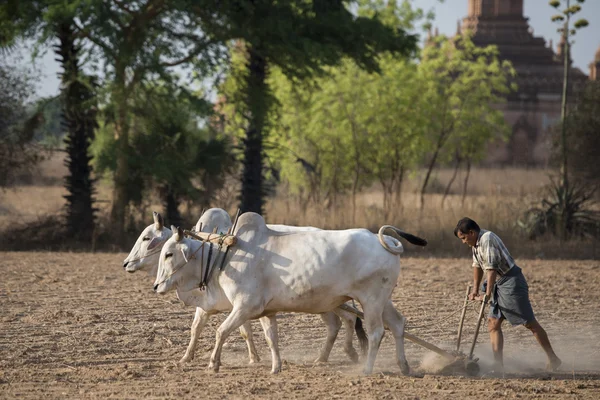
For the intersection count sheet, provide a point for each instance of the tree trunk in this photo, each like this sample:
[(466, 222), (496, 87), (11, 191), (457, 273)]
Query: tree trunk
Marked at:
[(430, 169), (386, 200), (121, 177), (464, 193), (252, 192), (171, 205), (447, 191), (79, 120)]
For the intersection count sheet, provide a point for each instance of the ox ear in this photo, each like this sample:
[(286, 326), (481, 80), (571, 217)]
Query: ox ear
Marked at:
[(178, 233), (158, 220), (154, 242)]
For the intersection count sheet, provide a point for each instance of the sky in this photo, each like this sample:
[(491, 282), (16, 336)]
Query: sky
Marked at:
[(587, 40)]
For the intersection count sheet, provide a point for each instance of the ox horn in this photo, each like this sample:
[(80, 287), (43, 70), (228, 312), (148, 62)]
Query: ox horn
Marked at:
[(158, 220), (178, 233)]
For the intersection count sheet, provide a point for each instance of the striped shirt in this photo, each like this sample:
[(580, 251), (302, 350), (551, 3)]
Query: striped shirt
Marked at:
[(490, 253)]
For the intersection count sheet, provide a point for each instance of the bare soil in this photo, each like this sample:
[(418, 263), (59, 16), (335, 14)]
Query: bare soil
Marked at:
[(75, 325)]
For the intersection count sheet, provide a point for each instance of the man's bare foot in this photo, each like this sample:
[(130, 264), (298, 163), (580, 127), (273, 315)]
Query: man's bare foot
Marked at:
[(552, 365)]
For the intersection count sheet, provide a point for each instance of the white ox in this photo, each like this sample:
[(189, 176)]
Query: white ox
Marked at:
[(145, 255), (309, 272)]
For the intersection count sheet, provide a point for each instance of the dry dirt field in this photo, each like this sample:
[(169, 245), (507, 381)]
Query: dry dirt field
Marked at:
[(75, 325)]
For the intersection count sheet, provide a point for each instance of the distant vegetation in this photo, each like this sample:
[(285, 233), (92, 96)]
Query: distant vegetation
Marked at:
[(252, 105)]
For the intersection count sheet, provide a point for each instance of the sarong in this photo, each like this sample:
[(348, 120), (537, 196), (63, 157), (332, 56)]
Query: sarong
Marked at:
[(510, 298)]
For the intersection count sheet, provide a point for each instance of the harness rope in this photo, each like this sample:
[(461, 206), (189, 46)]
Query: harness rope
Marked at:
[(182, 265), (204, 282), (204, 272), (147, 255)]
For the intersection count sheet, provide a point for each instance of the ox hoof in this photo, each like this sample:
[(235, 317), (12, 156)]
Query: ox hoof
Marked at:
[(353, 355), (404, 368), (186, 359), (254, 360), (275, 371), (214, 368), (321, 360)]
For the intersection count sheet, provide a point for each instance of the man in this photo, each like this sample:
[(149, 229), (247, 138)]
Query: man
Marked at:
[(506, 288)]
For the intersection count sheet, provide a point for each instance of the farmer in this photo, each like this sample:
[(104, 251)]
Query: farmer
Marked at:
[(506, 288)]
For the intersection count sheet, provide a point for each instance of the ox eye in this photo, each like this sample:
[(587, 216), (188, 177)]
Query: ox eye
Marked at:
[(168, 255), (146, 238)]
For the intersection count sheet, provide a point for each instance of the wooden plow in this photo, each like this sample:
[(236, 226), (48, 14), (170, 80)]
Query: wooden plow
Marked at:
[(457, 362)]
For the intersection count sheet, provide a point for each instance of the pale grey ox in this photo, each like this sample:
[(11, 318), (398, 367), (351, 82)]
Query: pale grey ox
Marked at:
[(145, 254), (310, 272)]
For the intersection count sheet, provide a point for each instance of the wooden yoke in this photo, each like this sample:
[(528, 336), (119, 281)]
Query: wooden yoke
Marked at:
[(227, 240)]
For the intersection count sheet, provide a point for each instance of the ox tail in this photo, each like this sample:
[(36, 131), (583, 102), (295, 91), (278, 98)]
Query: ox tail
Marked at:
[(396, 233), (362, 336)]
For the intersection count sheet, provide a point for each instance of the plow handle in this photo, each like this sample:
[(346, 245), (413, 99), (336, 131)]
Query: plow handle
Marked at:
[(481, 310), (462, 318)]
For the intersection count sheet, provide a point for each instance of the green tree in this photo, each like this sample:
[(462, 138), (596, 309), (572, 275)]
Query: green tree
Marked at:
[(463, 84), (350, 128), (135, 41), (301, 38), (79, 119), (395, 127), (52, 22), (171, 154)]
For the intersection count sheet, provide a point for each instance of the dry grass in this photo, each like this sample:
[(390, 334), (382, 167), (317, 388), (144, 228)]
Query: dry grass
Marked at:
[(496, 198)]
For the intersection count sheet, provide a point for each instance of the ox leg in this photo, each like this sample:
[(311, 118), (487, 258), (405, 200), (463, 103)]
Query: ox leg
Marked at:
[(375, 331), (200, 320), (269, 325), (333, 327), (395, 323), (234, 320), (246, 332), (349, 321)]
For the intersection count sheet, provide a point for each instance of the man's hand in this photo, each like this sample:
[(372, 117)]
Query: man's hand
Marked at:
[(476, 296)]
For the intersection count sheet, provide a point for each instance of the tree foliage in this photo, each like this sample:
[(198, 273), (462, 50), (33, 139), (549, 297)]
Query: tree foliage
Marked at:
[(463, 85), (17, 125), (348, 129), (53, 21), (170, 153), (351, 127), (79, 99), (302, 39), (130, 41)]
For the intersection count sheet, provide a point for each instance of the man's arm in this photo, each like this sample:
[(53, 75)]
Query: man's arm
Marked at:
[(492, 274), (477, 275)]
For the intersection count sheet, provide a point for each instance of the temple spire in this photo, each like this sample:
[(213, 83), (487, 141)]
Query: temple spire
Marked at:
[(495, 8)]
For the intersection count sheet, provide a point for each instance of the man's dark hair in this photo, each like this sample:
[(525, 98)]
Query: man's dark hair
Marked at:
[(465, 225)]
